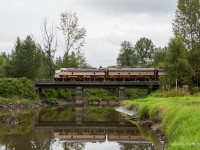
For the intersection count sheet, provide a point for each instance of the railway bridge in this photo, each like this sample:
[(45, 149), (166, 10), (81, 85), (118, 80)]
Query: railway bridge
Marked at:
[(79, 85)]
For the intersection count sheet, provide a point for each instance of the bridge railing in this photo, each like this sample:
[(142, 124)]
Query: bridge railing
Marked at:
[(52, 80)]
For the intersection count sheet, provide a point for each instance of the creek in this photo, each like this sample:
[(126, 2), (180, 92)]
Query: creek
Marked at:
[(73, 128)]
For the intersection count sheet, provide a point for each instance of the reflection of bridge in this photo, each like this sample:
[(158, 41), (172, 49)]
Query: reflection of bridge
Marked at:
[(94, 132), (81, 131), (79, 85), (87, 131)]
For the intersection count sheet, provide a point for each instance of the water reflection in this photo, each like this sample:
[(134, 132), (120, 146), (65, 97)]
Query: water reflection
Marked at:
[(79, 128)]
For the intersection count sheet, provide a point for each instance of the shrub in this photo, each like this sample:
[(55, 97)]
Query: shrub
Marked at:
[(194, 90), (20, 87)]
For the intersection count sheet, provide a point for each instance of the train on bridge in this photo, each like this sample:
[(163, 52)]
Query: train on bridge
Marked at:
[(109, 74)]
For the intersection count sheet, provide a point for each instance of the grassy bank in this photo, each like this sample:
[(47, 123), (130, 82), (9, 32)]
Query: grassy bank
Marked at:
[(180, 117)]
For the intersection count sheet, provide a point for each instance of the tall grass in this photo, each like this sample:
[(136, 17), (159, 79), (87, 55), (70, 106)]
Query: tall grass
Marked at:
[(180, 118)]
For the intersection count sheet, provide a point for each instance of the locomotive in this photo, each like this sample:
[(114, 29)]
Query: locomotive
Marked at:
[(109, 74)]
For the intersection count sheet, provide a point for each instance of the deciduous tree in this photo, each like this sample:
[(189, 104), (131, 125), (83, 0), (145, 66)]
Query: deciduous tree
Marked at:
[(49, 45), (187, 23), (178, 69), (74, 37), (126, 56), (144, 50)]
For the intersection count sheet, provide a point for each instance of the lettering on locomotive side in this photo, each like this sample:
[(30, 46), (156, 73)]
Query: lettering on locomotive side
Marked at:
[(71, 76)]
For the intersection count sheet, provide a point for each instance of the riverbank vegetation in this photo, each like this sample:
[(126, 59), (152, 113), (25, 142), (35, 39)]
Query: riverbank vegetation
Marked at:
[(179, 116), (16, 89)]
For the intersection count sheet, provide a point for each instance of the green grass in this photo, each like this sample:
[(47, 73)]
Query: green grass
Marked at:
[(180, 117)]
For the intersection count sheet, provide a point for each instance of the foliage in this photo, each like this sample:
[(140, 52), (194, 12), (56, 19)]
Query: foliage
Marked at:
[(3, 59), (159, 57), (126, 55), (25, 117), (186, 23), (170, 93), (179, 116), (49, 94), (98, 94), (194, 90), (74, 36), (140, 55), (57, 114), (55, 94), (24, 60), (194, 60), (136, 93), (12, 87), (176, 63), (144, 49), (100, 114)]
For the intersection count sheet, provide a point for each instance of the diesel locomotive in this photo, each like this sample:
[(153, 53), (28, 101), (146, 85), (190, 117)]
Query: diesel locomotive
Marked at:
[(109, 74)]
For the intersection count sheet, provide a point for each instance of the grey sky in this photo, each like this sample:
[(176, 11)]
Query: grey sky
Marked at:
[(108, 23)]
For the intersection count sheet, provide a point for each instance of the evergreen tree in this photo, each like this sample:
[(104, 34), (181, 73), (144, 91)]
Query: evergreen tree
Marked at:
[(25, 59)]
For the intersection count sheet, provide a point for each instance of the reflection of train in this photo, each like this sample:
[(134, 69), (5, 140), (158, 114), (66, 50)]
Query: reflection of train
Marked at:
[(111, 74)]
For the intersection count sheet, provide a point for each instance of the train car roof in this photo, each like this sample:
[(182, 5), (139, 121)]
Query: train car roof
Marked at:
[(84, 69), (130, 69)]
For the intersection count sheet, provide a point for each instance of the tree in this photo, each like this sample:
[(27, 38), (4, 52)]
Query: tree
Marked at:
[(50, 45), (178, 69), (187, 23), (24, 60), (144, 50), (159, 57), (3, 62), (126, 56), (74, 36)]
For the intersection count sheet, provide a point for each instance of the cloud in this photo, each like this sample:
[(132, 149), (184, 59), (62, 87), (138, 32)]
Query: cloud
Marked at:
[(108, 23), (132, 6)]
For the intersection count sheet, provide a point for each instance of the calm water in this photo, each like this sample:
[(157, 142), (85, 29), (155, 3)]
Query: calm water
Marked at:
[(71, 128)]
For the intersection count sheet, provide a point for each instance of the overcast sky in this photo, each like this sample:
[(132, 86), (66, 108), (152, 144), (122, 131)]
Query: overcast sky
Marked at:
[(108, 23)]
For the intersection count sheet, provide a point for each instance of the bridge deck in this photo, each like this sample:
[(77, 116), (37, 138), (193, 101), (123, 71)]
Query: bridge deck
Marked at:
[(97, 84)]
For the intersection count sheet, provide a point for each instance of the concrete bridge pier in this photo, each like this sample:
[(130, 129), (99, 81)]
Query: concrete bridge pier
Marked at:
[(39, 91), (79, 96), (79, 115), (122, 94)]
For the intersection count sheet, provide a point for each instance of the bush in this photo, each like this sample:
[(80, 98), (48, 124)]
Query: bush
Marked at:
[(98, 94), (54, 94), (136, 93), (16, 87), (194, 90)]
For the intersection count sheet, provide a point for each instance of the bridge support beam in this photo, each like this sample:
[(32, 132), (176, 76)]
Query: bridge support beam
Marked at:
[(122, 94), (79, 96)]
